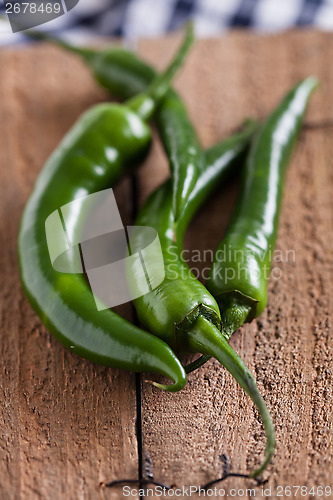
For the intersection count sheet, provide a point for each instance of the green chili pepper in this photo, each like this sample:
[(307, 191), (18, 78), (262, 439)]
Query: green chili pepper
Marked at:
[(240, 271), (179, 310), (104, 142), (194, 331)]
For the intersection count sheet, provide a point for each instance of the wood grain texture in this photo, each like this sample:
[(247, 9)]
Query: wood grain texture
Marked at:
[(67, 425)]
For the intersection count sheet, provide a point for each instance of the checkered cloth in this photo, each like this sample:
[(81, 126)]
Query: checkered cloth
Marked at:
[(134, 19)]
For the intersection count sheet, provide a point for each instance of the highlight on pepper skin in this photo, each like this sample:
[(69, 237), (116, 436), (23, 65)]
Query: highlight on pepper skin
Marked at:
[(103, 251)]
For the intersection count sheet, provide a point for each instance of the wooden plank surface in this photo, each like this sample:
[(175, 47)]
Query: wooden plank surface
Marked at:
[(67, 425)]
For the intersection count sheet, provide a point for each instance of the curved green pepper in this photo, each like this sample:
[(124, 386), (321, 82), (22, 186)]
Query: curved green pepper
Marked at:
[(240, 271), (182, 147), (179, 310), (106, 141)]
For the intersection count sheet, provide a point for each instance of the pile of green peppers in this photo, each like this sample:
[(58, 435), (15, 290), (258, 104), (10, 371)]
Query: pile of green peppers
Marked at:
[(180, 314)]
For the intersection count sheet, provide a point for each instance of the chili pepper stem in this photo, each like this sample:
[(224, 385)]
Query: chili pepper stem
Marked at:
[(145, 104), (204, 337), (87, 54), (177, 386)]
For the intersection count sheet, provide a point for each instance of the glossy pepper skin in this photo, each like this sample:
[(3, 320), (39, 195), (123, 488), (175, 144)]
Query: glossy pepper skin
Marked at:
[(83, 164), (116, 69), (240, 271)]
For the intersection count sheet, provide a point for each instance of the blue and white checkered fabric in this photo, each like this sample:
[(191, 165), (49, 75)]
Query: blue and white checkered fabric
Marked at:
[(134, 19)]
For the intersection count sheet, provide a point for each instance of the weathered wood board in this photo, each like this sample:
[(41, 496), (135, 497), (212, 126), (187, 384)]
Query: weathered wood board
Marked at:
[(66, 425)]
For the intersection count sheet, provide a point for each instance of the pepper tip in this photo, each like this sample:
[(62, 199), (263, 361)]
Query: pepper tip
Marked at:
[(178, 385)]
